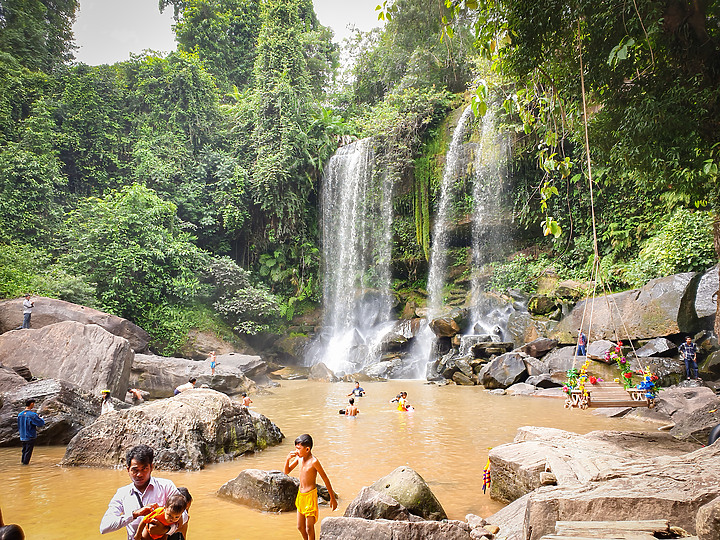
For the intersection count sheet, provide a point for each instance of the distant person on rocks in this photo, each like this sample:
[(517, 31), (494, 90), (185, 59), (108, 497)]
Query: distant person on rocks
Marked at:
[(246, 401), (130, 503), (351, 409), (582, 343), (357, 391), (28, 421), (306, 501), (213, 362), (156, 525), (136, 396), (107, 404), (688, 350), (187, 386), (10, 532), (28, 306)]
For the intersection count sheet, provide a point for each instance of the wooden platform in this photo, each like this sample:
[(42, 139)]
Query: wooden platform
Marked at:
[(612, 530), (607, 394)]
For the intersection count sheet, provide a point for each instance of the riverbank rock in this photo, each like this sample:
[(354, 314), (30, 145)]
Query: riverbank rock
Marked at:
[(65, 408), (159, 375), (511, 520), (657, 347), (83, 354), (320, 372), (574, 459), (49, 311), (371, 504), (270, 491), (201, 343), (348, 528), (503, 371), (663, 307), (539, 347), (707, 521), (10, 380), (671, 487), (187, 431), (409, 489)]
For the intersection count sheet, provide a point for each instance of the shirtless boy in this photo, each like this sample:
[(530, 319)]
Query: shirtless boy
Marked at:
[(307, 497), (351, 409)]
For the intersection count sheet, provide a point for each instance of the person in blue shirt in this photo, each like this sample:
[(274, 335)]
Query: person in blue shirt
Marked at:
[(582, 343), (688, 350), (28, 420), (357, 391)]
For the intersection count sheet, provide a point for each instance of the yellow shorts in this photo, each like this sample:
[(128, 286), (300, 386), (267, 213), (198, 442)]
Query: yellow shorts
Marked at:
[(307, 503)]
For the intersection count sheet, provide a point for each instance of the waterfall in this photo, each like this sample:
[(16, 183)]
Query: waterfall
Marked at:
[(490, 171), (438, 252), (357, 236)]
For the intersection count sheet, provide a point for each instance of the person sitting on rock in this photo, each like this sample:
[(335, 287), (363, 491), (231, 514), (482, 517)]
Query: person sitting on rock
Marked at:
[(157, 524), (351, 409), (187, 386), (136, 396), (107, 404)]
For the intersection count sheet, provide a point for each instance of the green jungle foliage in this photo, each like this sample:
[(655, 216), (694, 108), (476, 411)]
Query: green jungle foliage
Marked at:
[(181, 191)]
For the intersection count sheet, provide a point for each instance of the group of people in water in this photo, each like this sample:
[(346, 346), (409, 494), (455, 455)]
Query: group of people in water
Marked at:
[(351, 410)]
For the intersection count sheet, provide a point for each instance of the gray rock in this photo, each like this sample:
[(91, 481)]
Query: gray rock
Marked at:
[(270, 491), (85, 355), (444, 327), (383, 370), (707, 521), (674, 487), (498, 392), (670, 371), (706, 295), (574, 459), (159, 375), (320, 372), (346, 528), (521, 389), (463, 380), (409, 489), (371, 504), (188, 431), (65, 408), (598, 349), (539, 347), (10, 380), (49, 311), (663, 307), (657, 347), (504, 371), (709, 368), (511, 520), (542, 381)]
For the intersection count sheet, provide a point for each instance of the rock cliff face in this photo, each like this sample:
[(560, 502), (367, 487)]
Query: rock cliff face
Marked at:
[(86, 355), (187, 431), (49, 311)]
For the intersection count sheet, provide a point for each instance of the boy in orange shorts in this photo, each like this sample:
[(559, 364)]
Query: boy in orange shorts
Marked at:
[(307, 497)]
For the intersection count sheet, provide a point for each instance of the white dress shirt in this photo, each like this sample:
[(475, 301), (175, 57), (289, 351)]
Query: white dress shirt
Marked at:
[(128, 498)]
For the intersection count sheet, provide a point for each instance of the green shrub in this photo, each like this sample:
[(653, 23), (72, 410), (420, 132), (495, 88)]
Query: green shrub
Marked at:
[(520, 273)]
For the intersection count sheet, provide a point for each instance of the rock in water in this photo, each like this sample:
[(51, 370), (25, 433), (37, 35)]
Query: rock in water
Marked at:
[(371, 504), (270, 491), (65, 408), (409, 489), (345, 528), (84, 354), (187, 431)]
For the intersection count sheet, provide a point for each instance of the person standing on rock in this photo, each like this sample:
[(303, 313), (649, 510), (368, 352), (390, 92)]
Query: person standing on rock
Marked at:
[(28, 306), (582, 343), (213, 362), (130, 503), (28, 420), (688, 350)]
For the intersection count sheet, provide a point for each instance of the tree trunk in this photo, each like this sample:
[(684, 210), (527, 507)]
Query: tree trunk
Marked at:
[(716, 240)]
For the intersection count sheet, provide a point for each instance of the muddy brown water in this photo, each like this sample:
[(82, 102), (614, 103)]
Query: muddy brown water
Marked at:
[(446, 439)]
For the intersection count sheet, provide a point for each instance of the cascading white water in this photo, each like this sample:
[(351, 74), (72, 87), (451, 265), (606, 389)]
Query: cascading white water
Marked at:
[(357, 234), (490, 171), (438, 252)]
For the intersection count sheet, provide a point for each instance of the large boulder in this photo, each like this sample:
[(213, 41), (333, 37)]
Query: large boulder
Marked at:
[(159, 375), (670, 371), (671, 487), (706, 295), (707, 521), (444, 327), (200, 343), (320, 372), (65, 408), (349, 528), (503, 371), (573, 459), (49, 311), (188, 431), (524, 328), (10, 380), (270, 491), (86, 355), (558, 361), (409, 489), (657, 347), (511, 520), (538, 347), (709, 369), (663, 307), (371, 504)]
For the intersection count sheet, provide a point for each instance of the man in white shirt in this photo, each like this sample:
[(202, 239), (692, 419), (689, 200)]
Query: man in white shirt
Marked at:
[(28, 306), (139, 498), (187, 386)]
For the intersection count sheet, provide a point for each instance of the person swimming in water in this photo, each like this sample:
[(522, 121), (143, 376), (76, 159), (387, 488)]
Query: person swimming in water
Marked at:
[(351, 409)]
